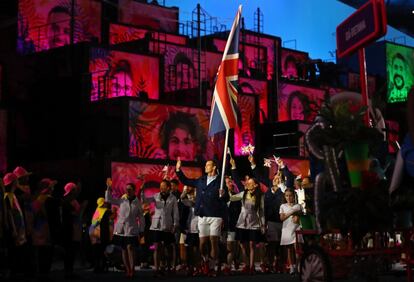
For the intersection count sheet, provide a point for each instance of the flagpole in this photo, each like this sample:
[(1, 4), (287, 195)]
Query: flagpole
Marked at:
[(223, 168)]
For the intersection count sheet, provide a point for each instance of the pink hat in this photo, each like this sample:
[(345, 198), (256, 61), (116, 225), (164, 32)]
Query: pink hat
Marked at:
[(45, 184), (9, 178), (69, 187), (20, 172)]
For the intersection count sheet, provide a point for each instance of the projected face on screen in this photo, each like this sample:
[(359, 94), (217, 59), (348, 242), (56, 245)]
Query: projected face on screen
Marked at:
[(181, 136), (298, 103), (400, 69), (167, 132), (118, 74), (291, 71), (58, 28), (46, 24), (185, 71), (121, 79), (298, 106), (292, 63)]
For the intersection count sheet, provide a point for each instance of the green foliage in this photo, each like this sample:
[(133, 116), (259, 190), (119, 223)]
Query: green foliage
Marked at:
[(345, 124)]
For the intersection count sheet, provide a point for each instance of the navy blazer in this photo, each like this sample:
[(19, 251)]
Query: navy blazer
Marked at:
[(272, 201), (208, 202)]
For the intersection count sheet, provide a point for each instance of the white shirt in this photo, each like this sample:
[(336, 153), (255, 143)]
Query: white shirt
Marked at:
[(210, 179)]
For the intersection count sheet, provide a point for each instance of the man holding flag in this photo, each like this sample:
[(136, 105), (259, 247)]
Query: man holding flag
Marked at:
[(211, 194)]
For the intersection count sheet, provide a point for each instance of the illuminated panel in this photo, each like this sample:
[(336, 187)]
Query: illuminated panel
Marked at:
[(3, 141), (257, 87), (213, 61), (246, 134), (355, 84), (251, 57), (393, 128), (149, 16), (400, 72), (296, 166), (122, 33), (180, 68), (116, 74), (46, 24), (166, 132), (298, 102), (293, 64), (124, 173), (267, 49)]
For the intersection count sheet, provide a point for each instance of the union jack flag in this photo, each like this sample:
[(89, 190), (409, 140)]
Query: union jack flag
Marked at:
[(224, 110)]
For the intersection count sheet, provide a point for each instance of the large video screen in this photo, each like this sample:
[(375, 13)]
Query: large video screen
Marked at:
[(296, 166), (256, 87), (150, 175), (150, 16), (119, 33), (298, 103), (3, 141), (271, 44), (251, 57), (159, 131), (116, 74), (293, 64), (245, 135), (181, 67), (400, 72), (46, 24)]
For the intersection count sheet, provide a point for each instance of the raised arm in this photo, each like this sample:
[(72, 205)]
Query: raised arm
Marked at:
[(183, 179), (108, 195), (256, 174), (235, 175), (287, 174)]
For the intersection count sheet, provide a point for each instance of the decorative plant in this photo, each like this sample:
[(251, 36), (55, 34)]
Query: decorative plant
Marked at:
[(344, 124)]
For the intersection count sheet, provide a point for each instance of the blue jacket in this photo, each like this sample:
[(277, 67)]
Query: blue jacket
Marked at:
[(208, 202), (272, 201)]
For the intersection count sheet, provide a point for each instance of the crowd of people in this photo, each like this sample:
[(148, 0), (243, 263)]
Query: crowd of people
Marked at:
[(205, 229)]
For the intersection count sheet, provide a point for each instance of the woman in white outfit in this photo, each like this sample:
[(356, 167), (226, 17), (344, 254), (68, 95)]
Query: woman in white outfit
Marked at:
[(250, 227), (129, 225), (289, 214)]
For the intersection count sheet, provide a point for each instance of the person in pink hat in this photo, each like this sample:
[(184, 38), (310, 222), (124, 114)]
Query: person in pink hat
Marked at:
[(15, 229), (71, 226), (23, 178), (24, 197), (41, 235)]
